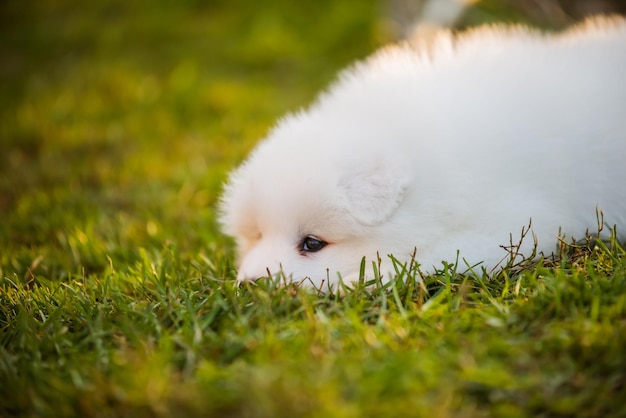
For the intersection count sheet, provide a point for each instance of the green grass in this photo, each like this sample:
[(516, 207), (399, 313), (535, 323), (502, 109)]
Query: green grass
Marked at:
[(118, 123)]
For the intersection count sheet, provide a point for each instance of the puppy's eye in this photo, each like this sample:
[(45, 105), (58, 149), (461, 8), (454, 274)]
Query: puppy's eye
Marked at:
[(311, 244)]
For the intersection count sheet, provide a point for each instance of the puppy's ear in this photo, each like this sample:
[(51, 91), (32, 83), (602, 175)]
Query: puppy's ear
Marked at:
[(374, 193)]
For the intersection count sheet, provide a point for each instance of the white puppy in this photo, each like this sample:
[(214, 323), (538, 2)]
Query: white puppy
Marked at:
[(451, 146)]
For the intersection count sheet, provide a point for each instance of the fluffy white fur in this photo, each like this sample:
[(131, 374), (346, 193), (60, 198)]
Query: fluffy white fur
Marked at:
[(452, 145)]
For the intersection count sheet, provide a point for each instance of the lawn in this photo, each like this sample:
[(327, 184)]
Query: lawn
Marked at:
[(118, 123)]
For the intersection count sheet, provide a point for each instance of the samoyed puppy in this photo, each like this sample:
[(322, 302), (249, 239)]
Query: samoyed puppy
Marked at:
[(438, 148)]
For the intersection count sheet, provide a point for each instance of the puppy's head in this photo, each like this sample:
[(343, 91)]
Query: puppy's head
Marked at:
[(310, 207)]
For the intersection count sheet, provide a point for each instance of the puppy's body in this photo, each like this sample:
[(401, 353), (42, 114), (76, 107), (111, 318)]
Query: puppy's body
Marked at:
[(451, 146)]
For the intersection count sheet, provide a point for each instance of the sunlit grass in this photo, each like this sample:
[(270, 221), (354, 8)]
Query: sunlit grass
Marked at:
[(118, 123), (167, 332)]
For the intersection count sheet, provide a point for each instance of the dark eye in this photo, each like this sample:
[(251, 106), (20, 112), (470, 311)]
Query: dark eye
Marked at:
[(311, 244)]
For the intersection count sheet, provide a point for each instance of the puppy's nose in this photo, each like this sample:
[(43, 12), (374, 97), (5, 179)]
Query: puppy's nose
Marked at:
[(250, 279), (244, 276)]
